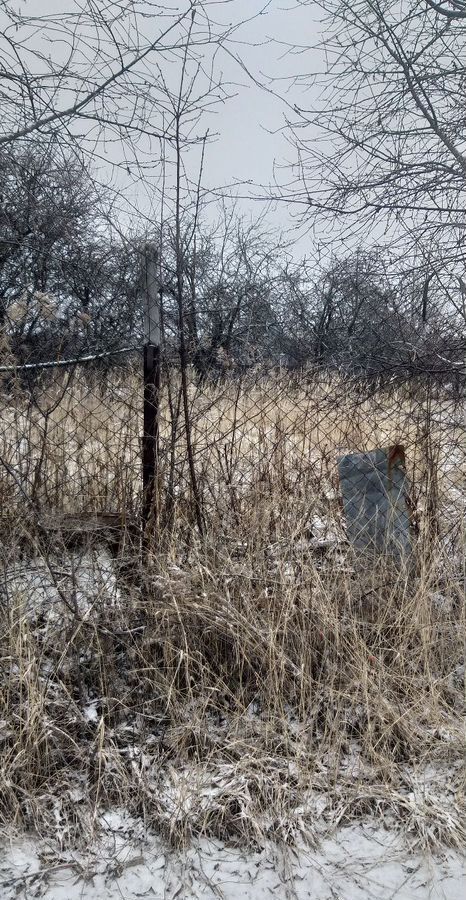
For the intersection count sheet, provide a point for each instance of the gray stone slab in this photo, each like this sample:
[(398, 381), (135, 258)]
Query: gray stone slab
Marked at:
[(374, 486)]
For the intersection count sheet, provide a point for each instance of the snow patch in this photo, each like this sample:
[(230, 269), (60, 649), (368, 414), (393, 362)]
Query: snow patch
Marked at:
[(359, 862)]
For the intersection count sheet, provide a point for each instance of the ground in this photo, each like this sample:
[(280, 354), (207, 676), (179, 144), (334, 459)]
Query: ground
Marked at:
[(358, 862)]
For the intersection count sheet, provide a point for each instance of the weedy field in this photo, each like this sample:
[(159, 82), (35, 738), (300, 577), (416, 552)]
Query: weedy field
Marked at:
[(259, 682)]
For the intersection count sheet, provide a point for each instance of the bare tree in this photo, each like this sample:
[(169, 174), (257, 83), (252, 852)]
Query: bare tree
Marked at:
[(68, 283), (91, 64), (101, 78), (120, 91), (383, 152), (235, 283)]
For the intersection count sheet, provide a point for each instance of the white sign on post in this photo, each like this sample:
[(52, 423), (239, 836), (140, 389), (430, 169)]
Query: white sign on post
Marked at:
[(151, 300)]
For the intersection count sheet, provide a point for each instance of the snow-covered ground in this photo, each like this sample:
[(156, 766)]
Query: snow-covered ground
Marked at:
[(360, 862)]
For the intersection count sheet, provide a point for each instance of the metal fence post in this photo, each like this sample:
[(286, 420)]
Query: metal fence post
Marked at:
[(152, 364)]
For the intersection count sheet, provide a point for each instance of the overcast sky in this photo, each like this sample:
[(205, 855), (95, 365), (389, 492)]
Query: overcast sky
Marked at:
[(250, 140), (250, 149)]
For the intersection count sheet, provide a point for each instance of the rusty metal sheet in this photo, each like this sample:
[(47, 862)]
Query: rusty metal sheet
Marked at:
[(374, 486)]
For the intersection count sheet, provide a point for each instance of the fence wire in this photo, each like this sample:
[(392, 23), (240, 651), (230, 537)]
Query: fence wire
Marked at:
[(245, 455)]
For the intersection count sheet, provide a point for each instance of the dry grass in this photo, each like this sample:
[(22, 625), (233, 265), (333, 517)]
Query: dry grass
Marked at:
[(249, 685), (75, 445)]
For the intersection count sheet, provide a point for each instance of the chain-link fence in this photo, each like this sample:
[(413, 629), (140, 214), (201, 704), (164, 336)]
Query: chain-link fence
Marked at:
[(185, 585), (248, 454)]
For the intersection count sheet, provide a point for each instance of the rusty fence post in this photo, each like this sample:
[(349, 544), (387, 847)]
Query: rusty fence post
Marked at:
[(152, 366)]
